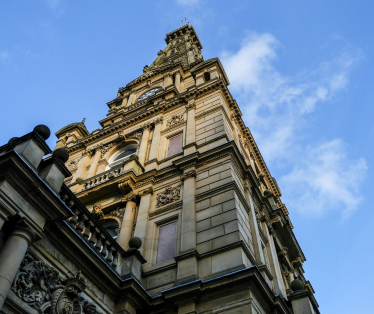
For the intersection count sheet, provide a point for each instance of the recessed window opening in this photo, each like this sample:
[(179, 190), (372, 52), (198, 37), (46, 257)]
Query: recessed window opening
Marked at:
[(167, 240), (175, 145), (111, 226), (206, 76), (121, 155)]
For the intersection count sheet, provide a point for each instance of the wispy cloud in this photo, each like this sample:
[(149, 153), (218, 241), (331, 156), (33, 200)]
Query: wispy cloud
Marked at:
[(276, 108), (4, 56), (325, 179), (188, 2)]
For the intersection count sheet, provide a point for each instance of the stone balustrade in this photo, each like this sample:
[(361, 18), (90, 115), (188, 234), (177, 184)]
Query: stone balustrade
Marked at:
[(103, 177), (91, 231)]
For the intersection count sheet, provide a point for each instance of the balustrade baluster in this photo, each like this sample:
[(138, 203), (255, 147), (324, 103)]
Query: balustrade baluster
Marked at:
[(86, 234), (92, 240), (115, 259), (109, 258), (104, 251), (80, 224), (99, 242), (74, 220)]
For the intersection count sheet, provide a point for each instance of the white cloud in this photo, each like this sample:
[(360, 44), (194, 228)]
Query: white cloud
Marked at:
[(4, 56), (53, 4), (276, 107), (188, 2), (325, 179)]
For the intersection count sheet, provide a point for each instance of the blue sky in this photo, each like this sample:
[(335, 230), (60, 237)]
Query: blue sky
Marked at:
[(301, 72)]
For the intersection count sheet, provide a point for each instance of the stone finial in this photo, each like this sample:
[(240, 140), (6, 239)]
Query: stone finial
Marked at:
[(43, 131), (135, 243), (297, 285), (62, 154)]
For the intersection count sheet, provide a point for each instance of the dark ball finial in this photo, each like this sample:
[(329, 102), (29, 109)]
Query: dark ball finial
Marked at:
[(267, 192), (12, 140), (43, 131), (135, 243), (61, 154), (297, 285)]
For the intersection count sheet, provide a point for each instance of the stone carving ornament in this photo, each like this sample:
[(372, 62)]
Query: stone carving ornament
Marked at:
[(41, 287), (170, 195), (179, 118)]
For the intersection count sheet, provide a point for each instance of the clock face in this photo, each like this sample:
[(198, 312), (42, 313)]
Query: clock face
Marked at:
[(149, 93)]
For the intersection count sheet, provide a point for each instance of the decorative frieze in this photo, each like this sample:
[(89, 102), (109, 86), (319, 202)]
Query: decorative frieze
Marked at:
[(170, 195)]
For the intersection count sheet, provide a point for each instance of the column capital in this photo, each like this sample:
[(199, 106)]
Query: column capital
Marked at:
[(191, 105), (146, 126), (188, 174), (146, 191), (22, 230), (158, 120)]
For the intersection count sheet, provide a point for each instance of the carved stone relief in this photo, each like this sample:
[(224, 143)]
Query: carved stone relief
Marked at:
[(97, 211), (179, 118), (170, 195), (42, 287)]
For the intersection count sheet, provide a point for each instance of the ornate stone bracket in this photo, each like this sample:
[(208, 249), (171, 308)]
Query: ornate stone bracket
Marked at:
[(125, 184)]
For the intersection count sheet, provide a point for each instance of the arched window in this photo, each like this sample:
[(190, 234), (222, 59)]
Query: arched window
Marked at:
[(206, 76), (121, 155), (111, 226)]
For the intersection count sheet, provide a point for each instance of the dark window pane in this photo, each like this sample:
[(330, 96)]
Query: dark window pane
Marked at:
[(175, 145), (166, 242)]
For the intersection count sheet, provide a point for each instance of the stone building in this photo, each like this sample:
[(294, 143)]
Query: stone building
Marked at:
[(169, 207)]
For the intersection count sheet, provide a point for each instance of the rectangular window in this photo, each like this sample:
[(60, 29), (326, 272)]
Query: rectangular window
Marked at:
[(167, 238), (175, 145)]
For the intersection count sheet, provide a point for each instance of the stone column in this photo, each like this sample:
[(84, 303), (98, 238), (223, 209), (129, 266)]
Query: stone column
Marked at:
[(199, 79), (11, 256), (144, 143), (124, 101), (127, 222), (274, 264), (178, 81), (102, 165), (167, 80), (94, 164), (190, 146), (82, 164), (153, 153), (131, 97), (187, 259), (142, 220), (259, 254)]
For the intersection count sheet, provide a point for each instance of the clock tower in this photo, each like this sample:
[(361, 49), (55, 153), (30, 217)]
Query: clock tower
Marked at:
[(175, 174)]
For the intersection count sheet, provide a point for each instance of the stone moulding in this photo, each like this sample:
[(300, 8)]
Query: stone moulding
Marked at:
[(165, 209), (173, 127)]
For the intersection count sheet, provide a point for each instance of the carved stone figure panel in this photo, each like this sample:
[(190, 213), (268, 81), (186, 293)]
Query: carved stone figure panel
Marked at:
[(170, 195)]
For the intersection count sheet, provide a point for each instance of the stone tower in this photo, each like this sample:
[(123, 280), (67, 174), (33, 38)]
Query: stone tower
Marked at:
[(175, 169)]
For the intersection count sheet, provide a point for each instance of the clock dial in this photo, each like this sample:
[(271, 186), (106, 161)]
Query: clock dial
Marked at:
[(149, 93)]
